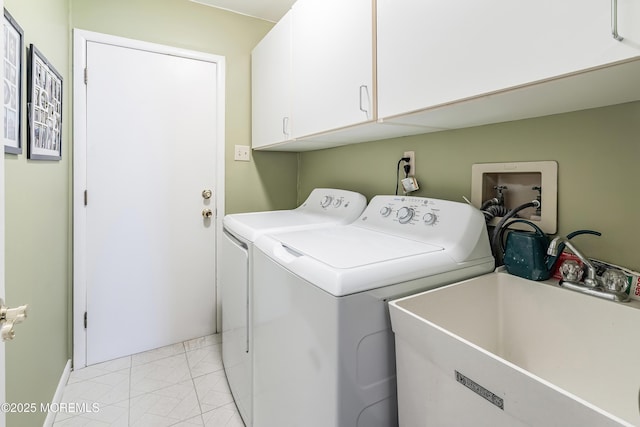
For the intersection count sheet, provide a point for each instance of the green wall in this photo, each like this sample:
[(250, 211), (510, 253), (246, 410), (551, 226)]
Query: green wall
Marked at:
[(269, 180), (38, 194), (597, 153), (38, 230)]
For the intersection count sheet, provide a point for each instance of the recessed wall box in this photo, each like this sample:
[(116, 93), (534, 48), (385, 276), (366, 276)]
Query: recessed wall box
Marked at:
[(518, 180)]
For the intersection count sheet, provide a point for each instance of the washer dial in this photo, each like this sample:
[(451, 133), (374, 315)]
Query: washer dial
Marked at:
[(405, 215), (430, 218), (385, 211)]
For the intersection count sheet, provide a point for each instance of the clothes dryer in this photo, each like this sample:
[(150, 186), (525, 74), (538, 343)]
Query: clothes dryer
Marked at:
[(324, 207), (323, 347)]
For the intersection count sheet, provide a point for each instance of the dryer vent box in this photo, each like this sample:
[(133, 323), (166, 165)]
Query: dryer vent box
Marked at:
[(519, 179)]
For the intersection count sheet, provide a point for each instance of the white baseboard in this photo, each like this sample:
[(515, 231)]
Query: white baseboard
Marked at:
[(57, 397)]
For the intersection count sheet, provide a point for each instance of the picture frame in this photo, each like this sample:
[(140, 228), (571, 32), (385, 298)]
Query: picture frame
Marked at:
[(13, 63), (44, 108)]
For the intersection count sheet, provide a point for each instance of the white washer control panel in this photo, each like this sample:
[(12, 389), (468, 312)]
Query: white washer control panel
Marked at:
[(418, 217), (410, 210)]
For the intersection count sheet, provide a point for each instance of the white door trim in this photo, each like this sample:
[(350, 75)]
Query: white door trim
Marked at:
[(80, 39), (2, 250)]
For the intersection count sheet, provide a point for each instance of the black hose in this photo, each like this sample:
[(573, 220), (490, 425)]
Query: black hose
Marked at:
[(490, 202), (494, 211), (496, 231)]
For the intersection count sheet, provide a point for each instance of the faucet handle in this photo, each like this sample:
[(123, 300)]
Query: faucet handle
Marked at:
[(571, 270), (615, 280)]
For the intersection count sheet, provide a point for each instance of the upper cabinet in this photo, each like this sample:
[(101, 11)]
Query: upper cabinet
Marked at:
[(313, 72), (271, 86), (433, 53), (361, 70), (332, 60)]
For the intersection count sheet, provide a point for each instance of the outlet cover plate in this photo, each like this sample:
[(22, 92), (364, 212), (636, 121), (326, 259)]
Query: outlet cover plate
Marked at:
[(412, 162)]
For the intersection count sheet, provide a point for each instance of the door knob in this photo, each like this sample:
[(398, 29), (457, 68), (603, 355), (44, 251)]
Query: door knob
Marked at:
[(207, 213), (206, 194), (10, 317)]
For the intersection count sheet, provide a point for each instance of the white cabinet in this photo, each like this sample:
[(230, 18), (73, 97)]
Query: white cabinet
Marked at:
[(271, 86), (313, 72), (332, 54), (327, 76), (433, 53)]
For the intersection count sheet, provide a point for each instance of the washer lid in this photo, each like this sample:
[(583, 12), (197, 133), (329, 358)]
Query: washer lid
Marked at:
[(347, 247)]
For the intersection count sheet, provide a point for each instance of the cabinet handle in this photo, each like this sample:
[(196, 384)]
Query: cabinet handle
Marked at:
[(285, 126), (364, 97), (614, 21)]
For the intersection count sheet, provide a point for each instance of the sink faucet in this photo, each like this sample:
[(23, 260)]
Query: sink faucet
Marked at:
[(591, 285), (553, 249)]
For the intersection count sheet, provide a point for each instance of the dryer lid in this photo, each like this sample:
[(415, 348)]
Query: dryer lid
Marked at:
[(274, 219), (347, 247), (253, 224)]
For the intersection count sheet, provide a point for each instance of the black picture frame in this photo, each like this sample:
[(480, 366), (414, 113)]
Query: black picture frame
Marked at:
[(13, 63), (44, 108)]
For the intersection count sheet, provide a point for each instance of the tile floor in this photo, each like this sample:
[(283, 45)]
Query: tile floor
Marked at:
[(179, 385)]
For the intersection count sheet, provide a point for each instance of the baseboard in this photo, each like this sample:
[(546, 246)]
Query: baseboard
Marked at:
[(57, 397)]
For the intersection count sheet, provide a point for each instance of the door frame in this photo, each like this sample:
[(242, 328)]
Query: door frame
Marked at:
[(3, 390), (80, 40)]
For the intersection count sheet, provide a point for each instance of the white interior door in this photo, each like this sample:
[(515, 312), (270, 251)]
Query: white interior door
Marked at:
[(151, 136)]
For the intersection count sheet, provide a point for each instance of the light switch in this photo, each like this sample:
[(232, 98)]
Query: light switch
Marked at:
[(241, 153)]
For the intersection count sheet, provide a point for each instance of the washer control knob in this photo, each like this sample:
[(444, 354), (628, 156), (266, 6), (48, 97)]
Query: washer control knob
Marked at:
[(385, 211), (405, 215), (430, 218), (326, 201), (337, 203)]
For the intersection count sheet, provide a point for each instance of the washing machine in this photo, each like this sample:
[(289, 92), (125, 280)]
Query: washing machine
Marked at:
[(323, 346), (324, 207)]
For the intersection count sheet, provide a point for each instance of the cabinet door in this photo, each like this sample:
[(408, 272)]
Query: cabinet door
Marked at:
[(436, 52), (332, 64), (271, 86)]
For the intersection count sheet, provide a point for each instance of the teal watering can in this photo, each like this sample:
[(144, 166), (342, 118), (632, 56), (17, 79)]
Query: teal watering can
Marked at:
[(525, 252)]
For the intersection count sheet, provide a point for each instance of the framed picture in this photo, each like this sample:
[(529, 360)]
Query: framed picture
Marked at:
[(13, 47), (44, 104)]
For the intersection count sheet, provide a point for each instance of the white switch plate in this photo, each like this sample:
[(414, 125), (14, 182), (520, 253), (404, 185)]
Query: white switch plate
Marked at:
[(241, 153)]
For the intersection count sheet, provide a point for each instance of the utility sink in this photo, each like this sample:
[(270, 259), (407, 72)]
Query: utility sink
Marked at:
[(498, 350)]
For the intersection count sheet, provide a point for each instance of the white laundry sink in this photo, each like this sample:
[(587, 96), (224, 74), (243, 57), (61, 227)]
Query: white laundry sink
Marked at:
[(498, 350)]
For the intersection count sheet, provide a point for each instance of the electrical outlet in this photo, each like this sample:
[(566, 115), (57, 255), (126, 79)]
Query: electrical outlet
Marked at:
[(412, 162), (241, 153)]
